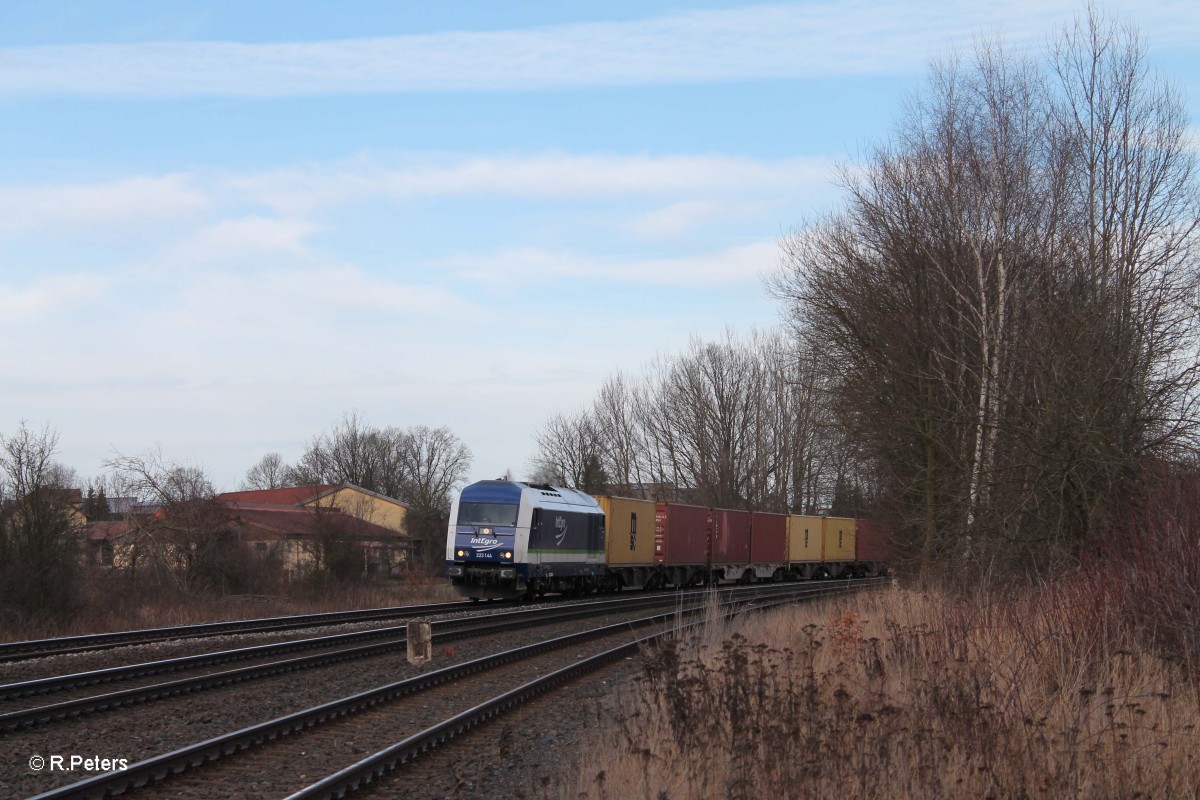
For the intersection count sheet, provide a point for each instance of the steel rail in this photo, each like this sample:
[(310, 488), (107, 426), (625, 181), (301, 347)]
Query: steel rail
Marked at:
[(454, 630), (378, 765), (111, 784), (84, 643), (357, 775), (144, 669), (40, 648)]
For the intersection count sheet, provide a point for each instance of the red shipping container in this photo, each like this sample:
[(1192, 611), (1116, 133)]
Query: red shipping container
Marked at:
[(768, 538), (680, 535), (730, 531), (873, 541)]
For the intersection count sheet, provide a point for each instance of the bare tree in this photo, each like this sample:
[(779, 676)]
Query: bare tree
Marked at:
[(154, 479), (614, 422), (741, 422), (271, 472), (354, 452), (335, 551), (419, 466), (434, 463), (39, 538), (709, 424), (571, 453), (186, 543), (1002, 306)]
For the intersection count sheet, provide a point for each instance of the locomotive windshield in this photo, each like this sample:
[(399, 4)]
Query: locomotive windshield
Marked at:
[(487, 514)]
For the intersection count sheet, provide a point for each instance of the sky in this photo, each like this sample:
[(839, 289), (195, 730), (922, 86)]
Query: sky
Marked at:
[(225, 225)]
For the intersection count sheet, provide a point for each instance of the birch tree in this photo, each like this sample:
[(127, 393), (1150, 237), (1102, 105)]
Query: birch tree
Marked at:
[(1003, 304)]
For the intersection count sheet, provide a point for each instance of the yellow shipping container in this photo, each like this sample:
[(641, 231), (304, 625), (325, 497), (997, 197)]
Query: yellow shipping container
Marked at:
[(839, 538), (804, 538), (629, 530)]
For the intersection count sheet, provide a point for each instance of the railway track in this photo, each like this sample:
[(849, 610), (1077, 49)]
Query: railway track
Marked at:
[(361, 721), (40, 648), (383, 769), (278, 659), (339, 648)]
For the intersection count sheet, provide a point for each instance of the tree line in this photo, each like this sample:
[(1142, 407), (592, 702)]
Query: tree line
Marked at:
[(992, 343), (1006, 306), (735, 423), (186, 548), (419, 466)]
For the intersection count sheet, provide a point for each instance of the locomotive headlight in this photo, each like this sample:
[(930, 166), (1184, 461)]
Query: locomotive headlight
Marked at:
[(507, 554), (485, 531), (461, 553)]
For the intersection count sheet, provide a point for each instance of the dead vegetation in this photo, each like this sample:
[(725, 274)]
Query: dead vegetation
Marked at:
[(905, 694), (111, 603)]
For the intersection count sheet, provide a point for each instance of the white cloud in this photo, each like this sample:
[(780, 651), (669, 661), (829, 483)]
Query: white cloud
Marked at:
[(674, 220), (131, 200), (740, 264), (204, 333), (246, 236), (50, 294), (284, 304), (556, 176), (347, 288), (772, 41)]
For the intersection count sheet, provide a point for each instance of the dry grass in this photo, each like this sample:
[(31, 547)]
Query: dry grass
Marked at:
[(112, 604), (901, 694)]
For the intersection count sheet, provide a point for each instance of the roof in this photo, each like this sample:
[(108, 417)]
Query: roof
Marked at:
[(339, 486), (286, 496), (299, 521), (59, 495), (107, 531), (297, 495), (122, 505)]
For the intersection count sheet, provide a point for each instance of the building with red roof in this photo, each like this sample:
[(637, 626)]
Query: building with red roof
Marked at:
[(298, 525)]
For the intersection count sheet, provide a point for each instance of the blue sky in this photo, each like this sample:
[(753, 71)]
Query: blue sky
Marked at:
[(223, 225)]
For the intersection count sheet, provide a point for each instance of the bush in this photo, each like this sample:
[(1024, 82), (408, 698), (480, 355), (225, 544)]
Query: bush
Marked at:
[(1149, 567)]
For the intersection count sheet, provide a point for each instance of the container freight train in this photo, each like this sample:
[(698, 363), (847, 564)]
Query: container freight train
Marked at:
[(509, 540)]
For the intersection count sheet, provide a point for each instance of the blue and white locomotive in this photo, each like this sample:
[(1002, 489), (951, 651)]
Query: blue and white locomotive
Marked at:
[(509, 540)]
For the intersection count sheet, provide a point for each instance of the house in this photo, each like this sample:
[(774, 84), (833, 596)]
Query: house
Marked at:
[(301, 536), (104, 539), (347, 498), (299, 526), (295, 518)]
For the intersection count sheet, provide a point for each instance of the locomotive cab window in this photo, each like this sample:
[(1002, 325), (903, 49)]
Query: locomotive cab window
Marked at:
[(488, 514)]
